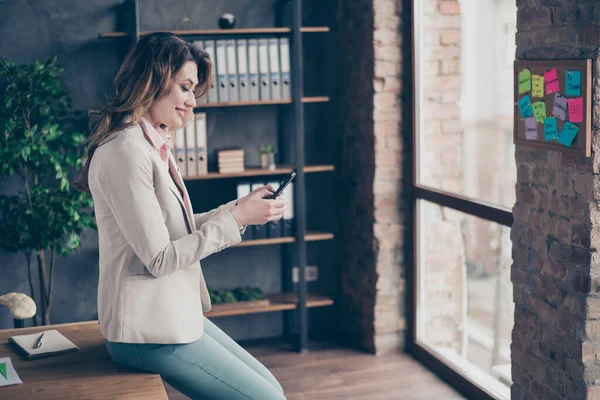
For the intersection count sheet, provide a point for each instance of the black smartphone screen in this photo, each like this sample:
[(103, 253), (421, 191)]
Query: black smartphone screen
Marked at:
[(282, 185)]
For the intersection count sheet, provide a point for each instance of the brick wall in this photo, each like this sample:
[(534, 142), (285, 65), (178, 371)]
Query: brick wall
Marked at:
[(372, 172), (556, 231), (443, 264)]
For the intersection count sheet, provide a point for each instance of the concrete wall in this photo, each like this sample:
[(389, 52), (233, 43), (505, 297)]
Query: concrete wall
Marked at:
[(68, 28)]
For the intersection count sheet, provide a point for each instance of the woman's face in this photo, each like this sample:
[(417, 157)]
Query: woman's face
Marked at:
[(173, 109)]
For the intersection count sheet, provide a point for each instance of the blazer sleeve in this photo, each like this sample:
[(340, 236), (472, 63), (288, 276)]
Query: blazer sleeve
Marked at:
[(201, 218), (129, 193)]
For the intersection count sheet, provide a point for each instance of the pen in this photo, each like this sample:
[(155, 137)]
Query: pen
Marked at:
[(38, 342)]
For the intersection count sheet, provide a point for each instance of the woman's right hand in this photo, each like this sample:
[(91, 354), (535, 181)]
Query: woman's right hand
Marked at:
[(257, 209)]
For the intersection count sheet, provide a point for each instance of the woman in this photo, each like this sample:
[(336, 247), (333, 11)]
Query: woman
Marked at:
[(151, 291)]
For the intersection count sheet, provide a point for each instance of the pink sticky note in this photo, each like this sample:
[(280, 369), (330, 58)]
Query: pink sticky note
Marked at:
[(551, 81), (575, 109)]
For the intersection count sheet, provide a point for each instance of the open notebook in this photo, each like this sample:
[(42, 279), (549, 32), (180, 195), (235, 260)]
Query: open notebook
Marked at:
[(54, 343)]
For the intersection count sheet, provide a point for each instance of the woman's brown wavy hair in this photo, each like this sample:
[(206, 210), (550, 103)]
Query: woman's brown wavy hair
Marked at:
[(144, 76)]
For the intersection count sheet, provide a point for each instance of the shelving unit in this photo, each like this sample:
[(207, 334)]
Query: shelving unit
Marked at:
[(281, 169), (279, 302), (309, 237), (321, 99), (298, 301), (208, 32)]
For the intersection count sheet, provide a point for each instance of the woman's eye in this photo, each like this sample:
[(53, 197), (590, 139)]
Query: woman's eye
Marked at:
[(185, 89)]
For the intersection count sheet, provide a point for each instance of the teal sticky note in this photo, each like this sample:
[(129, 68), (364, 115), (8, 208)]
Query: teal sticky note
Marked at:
[(573, 79), (568, 133), (550, 128), (525, 107)]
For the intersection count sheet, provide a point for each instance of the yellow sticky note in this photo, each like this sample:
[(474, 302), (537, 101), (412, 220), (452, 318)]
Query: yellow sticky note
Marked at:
[(538, 86)]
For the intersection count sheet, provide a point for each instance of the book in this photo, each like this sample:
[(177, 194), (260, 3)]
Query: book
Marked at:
[(53, 343)]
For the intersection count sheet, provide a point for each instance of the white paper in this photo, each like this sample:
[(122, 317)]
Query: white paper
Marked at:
[(11, 375)]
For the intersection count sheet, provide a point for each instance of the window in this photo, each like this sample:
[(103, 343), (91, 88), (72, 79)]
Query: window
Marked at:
[(464, 185)]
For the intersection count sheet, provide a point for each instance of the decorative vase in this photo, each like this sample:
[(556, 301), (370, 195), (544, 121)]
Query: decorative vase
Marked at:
[(267, 161), (227, 21)]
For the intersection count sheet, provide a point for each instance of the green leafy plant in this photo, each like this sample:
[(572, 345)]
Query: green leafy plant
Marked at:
[(267, 149), (220, 296), (40, 146)]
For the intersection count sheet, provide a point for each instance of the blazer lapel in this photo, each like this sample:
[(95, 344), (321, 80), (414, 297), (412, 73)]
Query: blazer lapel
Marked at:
[(175, 182), (177, 187)]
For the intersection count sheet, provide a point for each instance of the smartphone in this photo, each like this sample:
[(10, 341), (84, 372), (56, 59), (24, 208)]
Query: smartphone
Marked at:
[(282, 185)]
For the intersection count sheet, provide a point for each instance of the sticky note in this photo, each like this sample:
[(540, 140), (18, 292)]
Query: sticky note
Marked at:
[(551, 81), (576, 109), (550, 128), (524, 81), (3, 370), (560, 106), (525, 107), (568, 133), (538, 86), (573, 83), (531, 132), (539, 111)]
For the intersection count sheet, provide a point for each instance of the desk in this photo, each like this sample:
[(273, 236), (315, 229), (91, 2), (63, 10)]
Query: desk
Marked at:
[(85, 374)]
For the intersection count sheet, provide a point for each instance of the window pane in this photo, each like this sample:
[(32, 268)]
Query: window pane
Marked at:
[(464, 306), (464, 81)]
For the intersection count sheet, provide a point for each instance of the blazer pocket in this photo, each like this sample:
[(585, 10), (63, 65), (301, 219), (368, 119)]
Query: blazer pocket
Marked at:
[(138, 277)]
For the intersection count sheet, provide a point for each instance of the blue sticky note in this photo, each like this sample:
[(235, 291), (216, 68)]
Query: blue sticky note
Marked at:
[(525, 107), (573, 79), (550, 128), (568, 133)]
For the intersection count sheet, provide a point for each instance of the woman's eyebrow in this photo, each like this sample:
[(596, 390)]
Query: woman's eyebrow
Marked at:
[(192, 82)]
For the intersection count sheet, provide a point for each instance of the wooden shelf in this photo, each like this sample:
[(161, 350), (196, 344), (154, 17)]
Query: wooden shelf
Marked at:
[(199, 32), (279, 302), (310, 236), (282, 169), (313, 99)]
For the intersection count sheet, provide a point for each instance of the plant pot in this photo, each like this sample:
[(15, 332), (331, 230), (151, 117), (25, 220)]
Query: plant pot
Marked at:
[(267, 161)]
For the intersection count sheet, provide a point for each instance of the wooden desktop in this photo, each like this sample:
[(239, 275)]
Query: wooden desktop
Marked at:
[(85, 374)]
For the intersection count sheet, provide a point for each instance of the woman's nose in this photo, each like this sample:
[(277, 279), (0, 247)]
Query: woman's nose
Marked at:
[(191, 100)]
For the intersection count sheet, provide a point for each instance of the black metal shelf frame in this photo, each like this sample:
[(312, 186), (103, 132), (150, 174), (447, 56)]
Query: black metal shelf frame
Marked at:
[(297, 257)]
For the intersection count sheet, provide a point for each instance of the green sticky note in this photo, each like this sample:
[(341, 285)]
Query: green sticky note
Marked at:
[(568, 133), (3, 370), (537, 86), (550, 128), (539, 111), (524, 81)]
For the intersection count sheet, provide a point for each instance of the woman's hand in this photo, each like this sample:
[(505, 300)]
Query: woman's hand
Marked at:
[(257, 209)]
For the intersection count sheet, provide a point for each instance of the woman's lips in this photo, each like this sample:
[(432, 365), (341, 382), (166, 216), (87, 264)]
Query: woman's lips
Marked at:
[(181, 112)]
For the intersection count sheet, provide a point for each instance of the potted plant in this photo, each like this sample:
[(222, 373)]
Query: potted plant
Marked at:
[(267, 156), (40, 146)]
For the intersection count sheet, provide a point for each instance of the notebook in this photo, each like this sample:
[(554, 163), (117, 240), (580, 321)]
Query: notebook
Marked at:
[(53, 343)]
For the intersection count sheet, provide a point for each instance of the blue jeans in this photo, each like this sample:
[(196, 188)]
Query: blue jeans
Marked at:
[(213, 367)]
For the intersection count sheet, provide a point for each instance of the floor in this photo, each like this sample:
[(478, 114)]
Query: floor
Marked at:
[(329, 372)]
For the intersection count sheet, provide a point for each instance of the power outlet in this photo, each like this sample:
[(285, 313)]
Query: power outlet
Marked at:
[(311, 274)]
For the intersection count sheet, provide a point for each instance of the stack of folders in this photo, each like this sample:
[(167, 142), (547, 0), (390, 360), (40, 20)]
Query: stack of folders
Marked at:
[(190, 148), (273, 229), (248, 69), (231, 160)]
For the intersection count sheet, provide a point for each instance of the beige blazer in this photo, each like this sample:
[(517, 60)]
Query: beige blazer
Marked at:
[(151, 288)]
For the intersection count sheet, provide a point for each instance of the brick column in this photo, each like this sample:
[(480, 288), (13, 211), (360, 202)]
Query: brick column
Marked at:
[(556, 231), (371, 172)]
